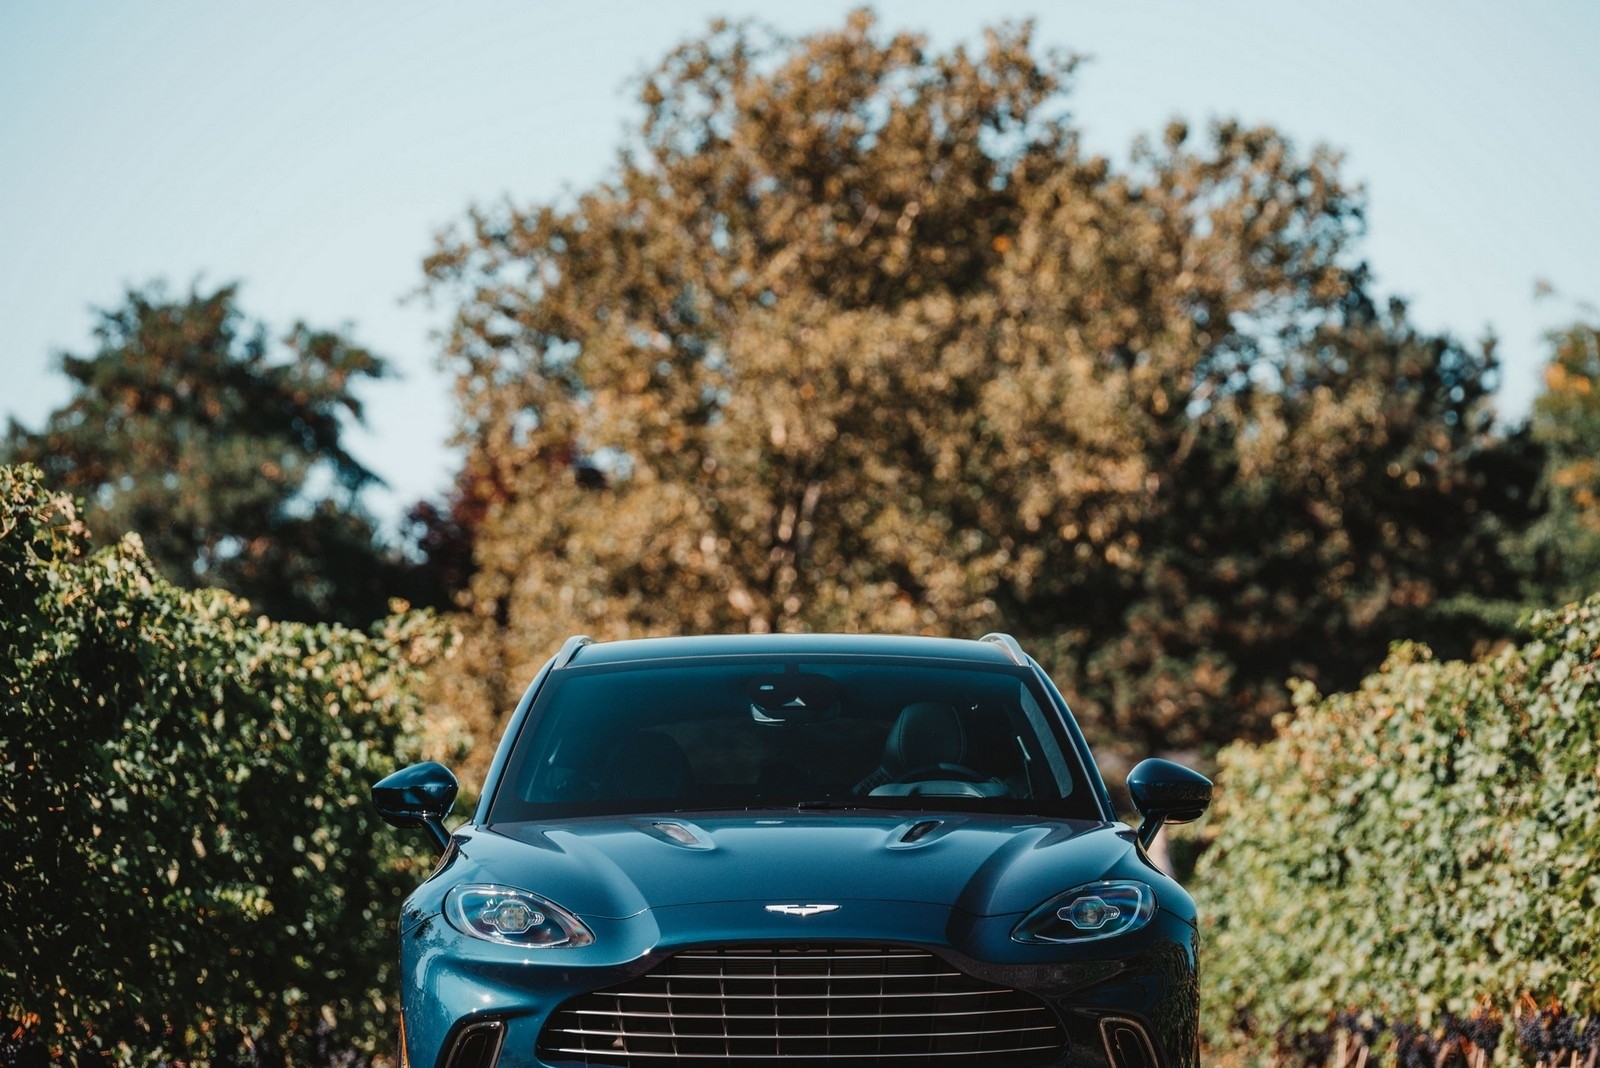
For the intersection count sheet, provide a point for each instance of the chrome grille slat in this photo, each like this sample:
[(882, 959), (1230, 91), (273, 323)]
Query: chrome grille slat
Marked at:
[(680, 996), (813, 975), (796, 1016), (750, 1005), (832, 1059), (784, 1019), (766, 958)]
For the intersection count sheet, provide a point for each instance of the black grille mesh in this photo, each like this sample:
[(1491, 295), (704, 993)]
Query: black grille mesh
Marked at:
[(835, 1005)]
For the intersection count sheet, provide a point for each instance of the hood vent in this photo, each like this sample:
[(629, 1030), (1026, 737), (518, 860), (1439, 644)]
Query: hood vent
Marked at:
[(678, 834), (919, 830)]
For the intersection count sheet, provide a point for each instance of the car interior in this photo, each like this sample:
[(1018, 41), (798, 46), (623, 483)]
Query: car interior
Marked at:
[(742, 736)]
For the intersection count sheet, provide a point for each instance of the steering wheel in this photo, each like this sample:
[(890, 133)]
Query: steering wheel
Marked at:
[(957, 772)]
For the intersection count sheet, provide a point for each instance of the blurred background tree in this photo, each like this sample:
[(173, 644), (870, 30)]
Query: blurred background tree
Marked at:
[(856, 336), (1560, 549), (228, 457)]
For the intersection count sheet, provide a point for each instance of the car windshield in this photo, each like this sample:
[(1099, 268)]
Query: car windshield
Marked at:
[(745, 733)]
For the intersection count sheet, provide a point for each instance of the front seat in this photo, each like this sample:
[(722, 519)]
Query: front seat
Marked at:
[(925, 734), (645, 764)]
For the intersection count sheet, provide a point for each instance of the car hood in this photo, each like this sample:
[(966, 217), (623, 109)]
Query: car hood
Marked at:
[(619, 867)]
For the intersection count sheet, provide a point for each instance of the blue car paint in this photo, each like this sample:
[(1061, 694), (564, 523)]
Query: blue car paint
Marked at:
[(959, 892)]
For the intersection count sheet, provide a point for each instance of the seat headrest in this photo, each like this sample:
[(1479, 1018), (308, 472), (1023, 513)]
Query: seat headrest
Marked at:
[(926, 733)]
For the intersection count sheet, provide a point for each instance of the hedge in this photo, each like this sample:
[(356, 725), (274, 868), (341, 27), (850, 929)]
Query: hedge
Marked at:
[(1424, 850), (193, 868)]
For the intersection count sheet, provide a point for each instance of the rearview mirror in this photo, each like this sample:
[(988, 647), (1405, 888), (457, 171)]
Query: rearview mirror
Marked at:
[(1165, 792), (793, 697), (418, 796)]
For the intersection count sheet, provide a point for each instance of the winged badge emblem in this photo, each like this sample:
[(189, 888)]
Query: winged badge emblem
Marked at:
[(801, 910)]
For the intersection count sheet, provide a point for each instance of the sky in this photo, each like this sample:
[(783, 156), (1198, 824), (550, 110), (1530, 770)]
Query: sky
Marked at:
[(312, 152)]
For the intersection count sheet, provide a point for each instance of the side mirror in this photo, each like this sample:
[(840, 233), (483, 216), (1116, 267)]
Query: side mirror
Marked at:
[(418, 796), (1165, 792)]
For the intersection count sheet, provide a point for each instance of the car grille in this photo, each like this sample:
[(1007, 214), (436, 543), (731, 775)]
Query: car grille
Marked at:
[(839, 1005)]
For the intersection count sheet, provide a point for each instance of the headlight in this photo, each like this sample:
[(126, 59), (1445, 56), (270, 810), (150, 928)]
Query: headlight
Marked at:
[(1098, 910), (513, 918)]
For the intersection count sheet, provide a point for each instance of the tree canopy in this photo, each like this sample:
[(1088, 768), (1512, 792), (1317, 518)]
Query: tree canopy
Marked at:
[(1560, 548), (857, 336), (225, 452)]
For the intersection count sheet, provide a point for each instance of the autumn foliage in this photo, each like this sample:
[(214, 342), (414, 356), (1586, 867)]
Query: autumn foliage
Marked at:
[(856, 336)]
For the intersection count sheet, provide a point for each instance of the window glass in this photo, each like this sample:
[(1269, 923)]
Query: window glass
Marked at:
[(771, 733)]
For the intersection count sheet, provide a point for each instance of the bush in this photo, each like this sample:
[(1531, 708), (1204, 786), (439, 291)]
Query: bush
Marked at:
[(194, 870), (1424, 849)]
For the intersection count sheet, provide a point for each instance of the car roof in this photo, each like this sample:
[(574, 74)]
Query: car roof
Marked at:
[(586, 654)]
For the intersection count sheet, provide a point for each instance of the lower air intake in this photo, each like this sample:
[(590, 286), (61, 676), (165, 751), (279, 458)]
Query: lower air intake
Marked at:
[(837, 1005), (1128, 1045), (477, 1046)]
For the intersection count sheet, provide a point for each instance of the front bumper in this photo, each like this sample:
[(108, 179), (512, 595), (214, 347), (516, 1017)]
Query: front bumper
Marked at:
[(499, 998)]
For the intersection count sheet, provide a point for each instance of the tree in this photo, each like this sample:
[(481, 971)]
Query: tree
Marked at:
[(857, 336), (1561, 548), (228, 458)]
